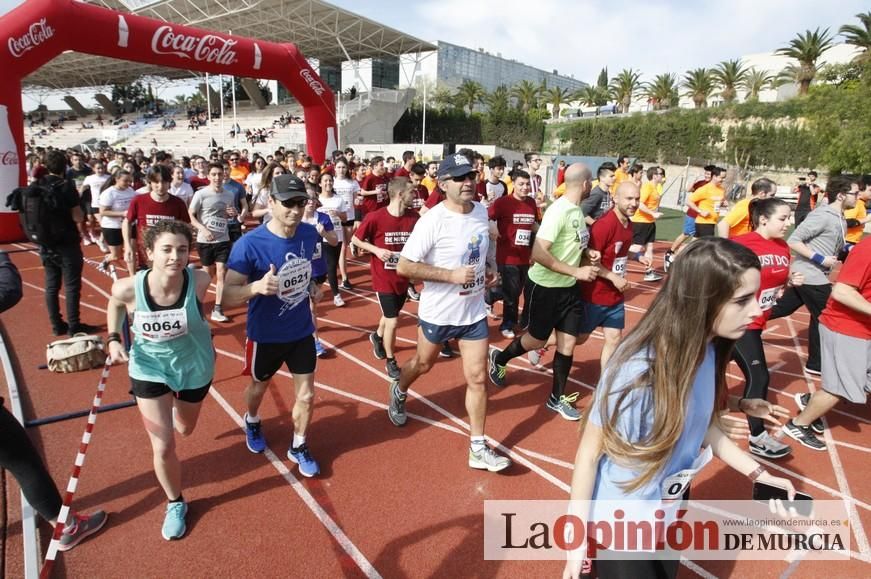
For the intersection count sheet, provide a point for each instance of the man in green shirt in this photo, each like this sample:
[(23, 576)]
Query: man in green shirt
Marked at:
[(561, 259)]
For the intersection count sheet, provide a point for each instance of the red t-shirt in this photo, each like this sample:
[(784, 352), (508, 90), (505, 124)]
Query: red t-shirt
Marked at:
[(383, 230), (373, 182), (436, 197), (855, 272), (401, 172), (612, 239), (199, 182), (774, 257), (514, 220), (145, 212), (421, 194)]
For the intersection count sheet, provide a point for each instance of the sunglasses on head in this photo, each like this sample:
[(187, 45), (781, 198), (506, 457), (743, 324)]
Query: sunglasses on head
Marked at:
[(298, 202), (461, 178)]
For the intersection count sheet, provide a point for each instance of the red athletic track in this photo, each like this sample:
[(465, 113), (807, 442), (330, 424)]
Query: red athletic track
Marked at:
[(403, 496)]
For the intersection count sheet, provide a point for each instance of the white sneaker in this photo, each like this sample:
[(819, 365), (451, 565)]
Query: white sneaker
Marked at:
[(487, 459), (767, 446), (218, 316), (338, 301), (506, 333), (101, 244), (652, 276), (534, 356)]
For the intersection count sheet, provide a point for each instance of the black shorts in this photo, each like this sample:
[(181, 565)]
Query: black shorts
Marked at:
[(705, 230), (643, 233), (348, 223), (210, 253), (553, 308), (234, 230), (391, 304), (358, 214), (262, 361), (113, 237), (91, 210), (144, 389)]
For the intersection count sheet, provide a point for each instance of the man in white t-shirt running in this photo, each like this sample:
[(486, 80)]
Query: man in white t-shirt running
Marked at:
[(447, 250)]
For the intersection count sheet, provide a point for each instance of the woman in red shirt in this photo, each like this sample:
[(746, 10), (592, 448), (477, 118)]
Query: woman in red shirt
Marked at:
[(770, 221)]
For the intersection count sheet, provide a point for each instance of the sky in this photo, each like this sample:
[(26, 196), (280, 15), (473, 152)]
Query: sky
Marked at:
[(579, 37)]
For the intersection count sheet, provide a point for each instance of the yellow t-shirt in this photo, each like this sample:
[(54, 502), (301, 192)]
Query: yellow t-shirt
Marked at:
[(738, 218), (854, 234), (239, 173), (708, 198), (559, 191), (650, 195), (619, 176), (429, 183)]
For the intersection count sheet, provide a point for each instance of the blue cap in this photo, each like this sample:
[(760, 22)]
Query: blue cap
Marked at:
[(455, 165)]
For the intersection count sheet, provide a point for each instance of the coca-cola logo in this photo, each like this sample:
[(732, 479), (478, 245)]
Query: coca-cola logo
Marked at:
[(209, 48), (38, 33), (313, 83), (8, 158)]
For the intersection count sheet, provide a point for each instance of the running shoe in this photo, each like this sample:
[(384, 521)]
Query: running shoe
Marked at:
[(508, 333), (652, 276), (88, 241), (496, 371), (392, 368), (667, 260), (104, 265), (347, 285), (767, 446), (812, 371), (60, 329), (101, 244), (802, 401), (218, 316), (80, 527), (487, 459), (413, 294), (805, 435), (254, 439), (491, 313), (320, 351), (396, 409), (338, 301), (173, 523), (308, 467), (446, 351), (534, 356), (377, 346), (82, 328), (564, 407)]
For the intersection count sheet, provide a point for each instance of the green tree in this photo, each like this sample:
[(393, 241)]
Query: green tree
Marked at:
[(699, 84), (729, 74), (755, 82), (806, 48), (602, 81), (442, 98), (556, 97), (860, 37), (469, 94), (591, 96), (662, 91), (129, 97), (623, 88), (526, 94), (197, 100), (498, 101)]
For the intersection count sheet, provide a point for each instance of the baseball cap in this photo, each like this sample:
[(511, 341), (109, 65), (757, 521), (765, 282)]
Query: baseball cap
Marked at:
[(455, 165), (286, 187)]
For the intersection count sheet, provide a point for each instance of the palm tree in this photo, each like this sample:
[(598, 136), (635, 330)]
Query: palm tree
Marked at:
[(497, 101), (755, 82), (591, 96), (807, 48), (662, 91), (860, 37), (700, 86), (469, 94), (624, 86), (526, 94), (442, 98), (729, 74), (556, 97)]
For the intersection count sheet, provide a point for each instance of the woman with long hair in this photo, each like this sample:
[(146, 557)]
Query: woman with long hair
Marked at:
[(255, 177), (261, 194), (171, 360), (347, 188), (334, 206), (659, 398), (323, 224)]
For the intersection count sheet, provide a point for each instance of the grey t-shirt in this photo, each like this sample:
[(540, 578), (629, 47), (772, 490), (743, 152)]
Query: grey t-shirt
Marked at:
[(823, 232), (210, 209), (597, 203)]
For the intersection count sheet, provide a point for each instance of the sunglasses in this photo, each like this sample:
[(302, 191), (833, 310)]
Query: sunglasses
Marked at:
[(298, 202), (471, 175), (234, 160)]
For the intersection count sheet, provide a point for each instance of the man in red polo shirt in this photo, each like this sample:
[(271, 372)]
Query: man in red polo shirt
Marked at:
[(373, 187)]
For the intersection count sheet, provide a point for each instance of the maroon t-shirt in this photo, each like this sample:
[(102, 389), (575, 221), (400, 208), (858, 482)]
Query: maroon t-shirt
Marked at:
[(199, 182), (145, 212), (436, 197), (514, 220), (383, 230), (612, 239), (373, 182), (421, 194), (401, 172)]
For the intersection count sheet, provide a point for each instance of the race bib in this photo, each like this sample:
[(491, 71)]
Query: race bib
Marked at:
[(336, 221), (381, 194), (317, 251), (584, 238), (619, 266), (161, 326), (216, 224), (674, 486), (293, 281), (522, 237), (475, 286), (767, 298), (392, 261)]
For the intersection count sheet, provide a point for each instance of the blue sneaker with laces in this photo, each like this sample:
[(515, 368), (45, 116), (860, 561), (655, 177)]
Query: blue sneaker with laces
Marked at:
[(254, 438), (173, 524), (320, 351), (308, 467)]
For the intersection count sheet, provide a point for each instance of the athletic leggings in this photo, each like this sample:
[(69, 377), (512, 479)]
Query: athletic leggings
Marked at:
[(331, 254), (750, 357), (18, 456)]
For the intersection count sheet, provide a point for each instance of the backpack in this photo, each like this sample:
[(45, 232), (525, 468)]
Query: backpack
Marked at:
[(76, 354), (37, 206)]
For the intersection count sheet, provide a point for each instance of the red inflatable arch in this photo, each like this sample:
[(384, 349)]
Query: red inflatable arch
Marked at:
[(39, 30)]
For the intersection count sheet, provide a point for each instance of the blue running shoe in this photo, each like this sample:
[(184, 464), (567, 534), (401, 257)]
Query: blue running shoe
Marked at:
[(254, 438), (319, 349), (308, 467), (173, 524)]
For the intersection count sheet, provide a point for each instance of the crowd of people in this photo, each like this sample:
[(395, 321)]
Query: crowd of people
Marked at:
[(459, 236)]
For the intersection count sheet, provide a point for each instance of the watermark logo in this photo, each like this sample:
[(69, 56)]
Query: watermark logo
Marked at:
[(313, 83), (209, 48), (8, 158), (38, 33)]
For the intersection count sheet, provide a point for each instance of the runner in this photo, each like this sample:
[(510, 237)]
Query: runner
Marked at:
[(335, 207), (689, 221), (262, 192), (845, 336), (383, 234), (656, 403), (114, 202), (346, 188), (90, 193), (706, 203), (514, 217), (737, 220), (179, 188), (373, 189), (770, 221), (210, 210), (599, 200), (446, 251), (493, 187), (603, 300), (561, 259), (430, 181), (326, 236), (644, 220), (270, 268), (172, 360), (857, 217)]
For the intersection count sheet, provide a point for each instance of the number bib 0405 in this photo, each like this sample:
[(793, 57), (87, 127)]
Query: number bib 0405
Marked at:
[(392, 261), (674, 486), (293, 280), (619, 266), (161, 326), (767, 298), (522, 237)]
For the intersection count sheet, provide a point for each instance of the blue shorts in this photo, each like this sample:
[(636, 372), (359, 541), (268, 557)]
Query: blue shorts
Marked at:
[(689, 226), (596, 316), (437, 334)]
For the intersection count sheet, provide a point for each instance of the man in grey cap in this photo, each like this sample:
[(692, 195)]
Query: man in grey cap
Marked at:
[(447, 250), (270, 269)]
